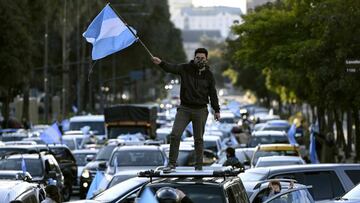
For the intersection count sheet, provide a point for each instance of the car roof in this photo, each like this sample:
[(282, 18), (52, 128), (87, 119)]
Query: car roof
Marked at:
[(218, 181), (293, 168), (85, 151), (278, 123), (138, 147), (277, 147), (25, 156), (279, 158), (205, 138), (88, 118), (268, 133)]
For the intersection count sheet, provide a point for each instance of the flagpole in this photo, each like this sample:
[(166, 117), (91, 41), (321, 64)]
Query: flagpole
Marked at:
[(132, 32)]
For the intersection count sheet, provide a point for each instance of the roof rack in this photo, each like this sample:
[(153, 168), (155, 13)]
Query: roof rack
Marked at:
[(257, 186), (190, 174)]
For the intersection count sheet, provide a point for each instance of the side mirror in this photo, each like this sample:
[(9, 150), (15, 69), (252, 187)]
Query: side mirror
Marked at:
[(89, 158), (102, 166)]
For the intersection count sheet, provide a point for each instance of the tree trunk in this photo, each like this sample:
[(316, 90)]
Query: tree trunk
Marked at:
[(349, 133), (357, 133), (25, 119), (6, 108), (330, 121), (340, 140)]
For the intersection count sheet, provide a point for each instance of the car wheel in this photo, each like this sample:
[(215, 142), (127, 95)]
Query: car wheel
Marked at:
[(66, 193)]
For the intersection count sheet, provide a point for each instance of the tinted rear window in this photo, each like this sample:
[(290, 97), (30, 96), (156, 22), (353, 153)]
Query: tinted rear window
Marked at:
[(97, 127), (138, 158), (63, 155), (33, 166)]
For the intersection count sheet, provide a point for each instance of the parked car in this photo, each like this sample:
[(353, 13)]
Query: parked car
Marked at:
[(279, 161), (264, 150), (211, 142), (17, 190), (207, 186), (327, 180)]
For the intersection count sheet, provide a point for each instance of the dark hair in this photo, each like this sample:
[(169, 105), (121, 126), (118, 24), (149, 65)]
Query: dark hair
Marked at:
[(53, 192), (276, 182), (230, 151), (201, 50)]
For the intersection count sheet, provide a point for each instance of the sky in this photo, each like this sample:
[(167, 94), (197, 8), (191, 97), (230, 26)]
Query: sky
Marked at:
[(232, 3)]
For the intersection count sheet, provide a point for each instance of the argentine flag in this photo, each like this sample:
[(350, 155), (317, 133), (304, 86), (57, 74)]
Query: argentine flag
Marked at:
[(108, 34)]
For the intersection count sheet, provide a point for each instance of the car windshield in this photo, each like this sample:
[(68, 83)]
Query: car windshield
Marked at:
[(197, 193), (98, 127), (259, 154), (138, 158), (268, 139), (105, 153), (120, 190), (353, 194), (31, 165), (81, 158)]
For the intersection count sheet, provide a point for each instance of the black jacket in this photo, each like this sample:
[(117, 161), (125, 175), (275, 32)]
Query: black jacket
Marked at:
[(196, 86)]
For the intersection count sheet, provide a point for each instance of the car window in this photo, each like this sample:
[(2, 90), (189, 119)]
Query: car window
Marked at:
[(298, 196), (354, 176), (325, 184), (33, 166), (105, 153), (138, 158), (239, 193), (28, 197), (97, 126), (81, 158)]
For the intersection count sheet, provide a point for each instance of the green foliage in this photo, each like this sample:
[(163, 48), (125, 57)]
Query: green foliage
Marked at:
[(297, 49)]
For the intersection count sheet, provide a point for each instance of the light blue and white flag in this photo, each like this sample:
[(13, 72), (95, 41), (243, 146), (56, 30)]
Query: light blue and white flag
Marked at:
[(291, 134), (147, 197), (312, 149), (23, 165), (95, 184), (51, 135), (108, 34)]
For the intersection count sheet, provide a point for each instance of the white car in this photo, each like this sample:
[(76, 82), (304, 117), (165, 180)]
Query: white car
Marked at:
[(212, 143), (279, 161)]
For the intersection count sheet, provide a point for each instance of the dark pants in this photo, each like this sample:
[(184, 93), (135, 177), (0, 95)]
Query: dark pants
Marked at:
[(184, 116)]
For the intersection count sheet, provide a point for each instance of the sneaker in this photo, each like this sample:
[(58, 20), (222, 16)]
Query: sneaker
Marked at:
[(168, 169)]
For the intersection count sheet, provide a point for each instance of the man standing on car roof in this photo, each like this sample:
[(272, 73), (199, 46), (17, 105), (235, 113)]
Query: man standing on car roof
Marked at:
[(197, 86)]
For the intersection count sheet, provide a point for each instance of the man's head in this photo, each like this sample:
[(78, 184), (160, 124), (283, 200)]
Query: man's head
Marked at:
[(200, 56), (275, 186), (230, 152)]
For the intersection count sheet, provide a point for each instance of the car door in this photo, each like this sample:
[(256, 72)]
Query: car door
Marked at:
[(296, 195)]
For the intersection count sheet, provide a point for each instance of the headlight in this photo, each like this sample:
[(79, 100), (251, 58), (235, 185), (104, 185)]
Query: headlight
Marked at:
[(85, 174)]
